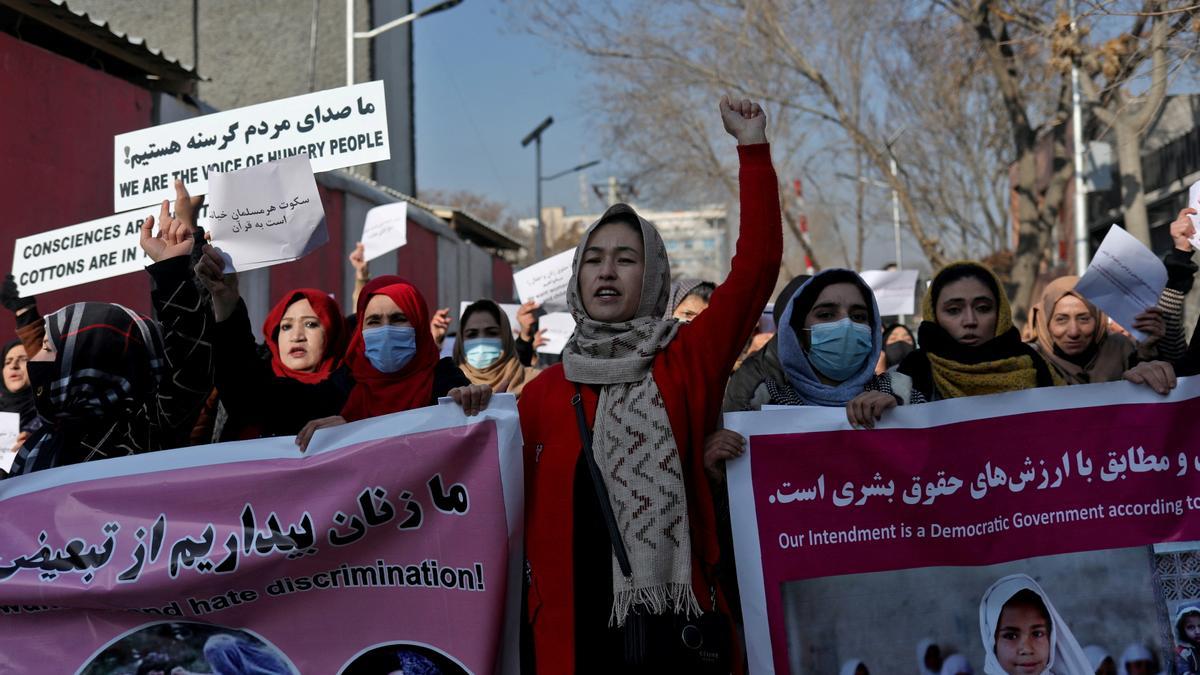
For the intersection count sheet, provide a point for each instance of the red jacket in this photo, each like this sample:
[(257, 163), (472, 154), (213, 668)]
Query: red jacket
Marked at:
[(691, 374)]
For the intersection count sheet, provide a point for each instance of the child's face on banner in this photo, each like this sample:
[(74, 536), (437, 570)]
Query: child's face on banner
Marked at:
[(1191, 628), (1023, 640)]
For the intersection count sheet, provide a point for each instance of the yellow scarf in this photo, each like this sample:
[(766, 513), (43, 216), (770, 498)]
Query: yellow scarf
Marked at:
[(1010, 371)]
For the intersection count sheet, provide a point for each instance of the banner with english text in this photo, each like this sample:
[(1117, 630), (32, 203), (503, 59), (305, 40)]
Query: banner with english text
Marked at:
[(392, 545), (898, 549)]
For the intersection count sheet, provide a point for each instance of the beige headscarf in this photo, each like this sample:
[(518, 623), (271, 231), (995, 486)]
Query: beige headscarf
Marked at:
[(505, 375), (633, 442), (1113, 352)]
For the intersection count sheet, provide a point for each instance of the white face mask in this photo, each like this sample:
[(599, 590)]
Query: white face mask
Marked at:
[(483, 352)]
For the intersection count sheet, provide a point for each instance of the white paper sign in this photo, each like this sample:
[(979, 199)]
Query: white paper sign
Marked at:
[(509, 309), (267, 214), (1194, 203), (10, 428), (385, 230), (336, 128), (895, 290), (546, 281), (559, 327), (1124, 279)]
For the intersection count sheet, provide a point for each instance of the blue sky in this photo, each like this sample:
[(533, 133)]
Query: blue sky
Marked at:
[(481, 86)]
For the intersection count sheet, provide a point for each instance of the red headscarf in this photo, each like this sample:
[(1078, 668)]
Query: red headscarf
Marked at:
[(377, 393), (329, 313)]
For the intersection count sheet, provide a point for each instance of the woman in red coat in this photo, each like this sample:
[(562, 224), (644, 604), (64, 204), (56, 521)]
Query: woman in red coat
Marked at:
[(650, 390)]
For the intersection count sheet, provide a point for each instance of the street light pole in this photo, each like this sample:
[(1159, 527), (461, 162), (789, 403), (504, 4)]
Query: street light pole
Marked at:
[(896, 216), (351, 35), (1080, 202), (535, 137)]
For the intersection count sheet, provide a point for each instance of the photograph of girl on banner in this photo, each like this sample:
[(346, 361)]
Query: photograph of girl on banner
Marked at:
[(1024, 635), (1187, 636)]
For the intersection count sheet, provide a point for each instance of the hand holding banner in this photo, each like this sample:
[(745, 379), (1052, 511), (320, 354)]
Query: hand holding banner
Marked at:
[(227, 550)]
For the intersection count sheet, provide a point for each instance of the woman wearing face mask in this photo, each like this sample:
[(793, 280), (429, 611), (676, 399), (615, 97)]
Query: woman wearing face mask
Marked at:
[(1072, 334), (641, 392), (109, 382), (394, 360), (898, 342), (828, 342), (1024, 635), (306, 337), (969, 347), (486, 352)]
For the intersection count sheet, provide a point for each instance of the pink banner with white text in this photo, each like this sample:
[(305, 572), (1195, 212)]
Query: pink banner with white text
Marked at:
[(862, 551), (393, 545)]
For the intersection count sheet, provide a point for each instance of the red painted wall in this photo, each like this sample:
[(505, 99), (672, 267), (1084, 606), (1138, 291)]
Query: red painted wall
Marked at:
[(321, 269), (417, 261), (502, 280), (58, 118)]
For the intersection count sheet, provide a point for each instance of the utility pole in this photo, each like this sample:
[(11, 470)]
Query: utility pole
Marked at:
[(535, 137)]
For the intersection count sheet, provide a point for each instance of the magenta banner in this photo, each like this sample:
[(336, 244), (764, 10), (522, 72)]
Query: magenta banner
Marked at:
[(393, 546), (950, 497)]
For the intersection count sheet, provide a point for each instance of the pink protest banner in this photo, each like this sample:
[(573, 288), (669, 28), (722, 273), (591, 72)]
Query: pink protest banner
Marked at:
[(854, 546), (393, 545)]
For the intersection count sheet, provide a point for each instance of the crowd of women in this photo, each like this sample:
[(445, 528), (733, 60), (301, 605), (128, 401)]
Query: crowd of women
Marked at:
[(627, 541)]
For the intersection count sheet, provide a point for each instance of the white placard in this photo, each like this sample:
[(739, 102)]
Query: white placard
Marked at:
[(1194, 202), (82, 253), (1124, 279), (546, 281), (509, 309), (79, 254), (385, 230), (895, 290), (559, 327), (10, 429), (336, 128), (266, 214)]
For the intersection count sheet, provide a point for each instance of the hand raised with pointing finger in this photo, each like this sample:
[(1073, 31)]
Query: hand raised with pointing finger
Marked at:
[(744, 120), (176, 231)]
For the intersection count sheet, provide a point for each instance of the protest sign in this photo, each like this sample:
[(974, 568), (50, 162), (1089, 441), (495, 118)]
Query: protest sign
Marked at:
[(854, 544), (266, 214), (895, 290), (385, 229), (10, 429), (1124, 279), (394, 540), (558, 327), (335, 128), (546, 281), (1194, 202), (83, 253)]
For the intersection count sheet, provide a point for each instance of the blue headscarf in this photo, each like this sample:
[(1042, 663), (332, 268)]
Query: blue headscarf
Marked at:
[(794, 358)]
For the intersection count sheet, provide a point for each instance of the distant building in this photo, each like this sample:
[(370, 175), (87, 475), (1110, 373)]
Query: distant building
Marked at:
[(697, 241)]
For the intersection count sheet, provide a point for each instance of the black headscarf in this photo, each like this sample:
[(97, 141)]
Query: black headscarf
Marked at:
[(20, 401), (98, 398)]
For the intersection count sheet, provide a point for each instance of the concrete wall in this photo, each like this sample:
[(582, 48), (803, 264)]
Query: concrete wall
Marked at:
[(1106, 597), (252, 52)]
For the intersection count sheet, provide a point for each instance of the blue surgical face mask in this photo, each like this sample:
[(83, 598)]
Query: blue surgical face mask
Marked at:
[(483, 352), (390, 348), (839, 348)]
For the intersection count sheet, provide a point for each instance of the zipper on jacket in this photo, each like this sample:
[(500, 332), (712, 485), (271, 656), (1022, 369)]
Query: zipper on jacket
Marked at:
[(537, 453)]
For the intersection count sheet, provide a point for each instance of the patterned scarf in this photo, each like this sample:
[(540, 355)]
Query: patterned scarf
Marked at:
[(634, 445), (98, 398)]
